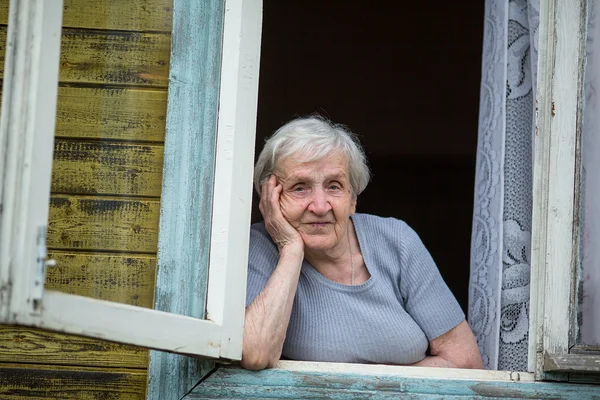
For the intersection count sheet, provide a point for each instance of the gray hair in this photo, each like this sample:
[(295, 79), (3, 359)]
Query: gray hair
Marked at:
[(313, 138)]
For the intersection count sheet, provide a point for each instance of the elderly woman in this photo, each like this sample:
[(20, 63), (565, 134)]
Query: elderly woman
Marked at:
[(328, 284)]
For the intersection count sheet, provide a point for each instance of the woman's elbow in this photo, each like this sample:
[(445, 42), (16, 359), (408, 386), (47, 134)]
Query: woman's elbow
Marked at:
[(257, 359), (475, 361), (465, 358), (257, 354), (254, 364), (470, 360)]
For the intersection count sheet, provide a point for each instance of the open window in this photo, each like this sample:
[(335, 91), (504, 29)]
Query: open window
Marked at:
[(27, 131), (213, 328)]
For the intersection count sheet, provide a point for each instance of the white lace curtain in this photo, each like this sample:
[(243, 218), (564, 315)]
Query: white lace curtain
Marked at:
[(501, 238)]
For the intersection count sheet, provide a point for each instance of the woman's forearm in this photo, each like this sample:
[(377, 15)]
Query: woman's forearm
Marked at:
[(456, 348), (268, 316), (434, 361)]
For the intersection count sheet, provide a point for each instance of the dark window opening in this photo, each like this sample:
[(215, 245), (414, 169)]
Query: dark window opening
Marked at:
[(405, 76)]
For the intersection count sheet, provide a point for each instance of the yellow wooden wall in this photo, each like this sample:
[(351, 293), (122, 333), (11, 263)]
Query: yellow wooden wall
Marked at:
[(106, 185)]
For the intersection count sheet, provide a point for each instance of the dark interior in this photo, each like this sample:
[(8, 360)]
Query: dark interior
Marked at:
[(404, 76)]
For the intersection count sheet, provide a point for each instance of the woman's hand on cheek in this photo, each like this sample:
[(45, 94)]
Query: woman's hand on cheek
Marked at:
[(285, 205), (283, 234)]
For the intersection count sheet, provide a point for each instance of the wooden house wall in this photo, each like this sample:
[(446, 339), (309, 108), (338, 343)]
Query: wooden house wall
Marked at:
[(104, 207)]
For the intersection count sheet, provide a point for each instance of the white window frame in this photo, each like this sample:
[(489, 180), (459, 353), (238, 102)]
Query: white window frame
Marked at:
[(29, 106), (557, 170)]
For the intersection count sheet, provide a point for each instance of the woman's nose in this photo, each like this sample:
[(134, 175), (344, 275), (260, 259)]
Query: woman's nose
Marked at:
[(319, 203)]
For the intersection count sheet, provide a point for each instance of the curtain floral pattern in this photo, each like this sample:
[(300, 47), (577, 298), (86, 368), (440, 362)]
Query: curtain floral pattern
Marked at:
[(501, 238)]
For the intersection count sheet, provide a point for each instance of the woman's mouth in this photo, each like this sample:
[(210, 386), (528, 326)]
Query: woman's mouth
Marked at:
[(318, 224)]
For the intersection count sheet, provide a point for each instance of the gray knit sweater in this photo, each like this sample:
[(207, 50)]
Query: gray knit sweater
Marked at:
[(388, 319)]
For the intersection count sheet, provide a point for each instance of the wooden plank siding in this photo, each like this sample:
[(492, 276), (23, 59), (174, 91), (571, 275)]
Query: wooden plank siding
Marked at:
[(29, 345), (101, 167), (103, 223), (143, 16), (113, 57), (121, 278), (111, 113), (110, 57), (19, 381), (105, 201)]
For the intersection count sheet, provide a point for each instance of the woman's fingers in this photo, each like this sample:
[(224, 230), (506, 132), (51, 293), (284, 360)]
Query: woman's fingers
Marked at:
[(274, 200), (278, 227), (270, 200), (266, 204)]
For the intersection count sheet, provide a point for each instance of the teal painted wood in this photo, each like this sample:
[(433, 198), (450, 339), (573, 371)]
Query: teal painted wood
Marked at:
[(237, 383), (186, 199)]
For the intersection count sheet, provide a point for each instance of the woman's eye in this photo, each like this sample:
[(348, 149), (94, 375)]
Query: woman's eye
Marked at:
[(334, 187), (298, 189)]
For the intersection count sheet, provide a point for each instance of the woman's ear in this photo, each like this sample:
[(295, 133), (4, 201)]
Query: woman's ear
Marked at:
[(353, 206)]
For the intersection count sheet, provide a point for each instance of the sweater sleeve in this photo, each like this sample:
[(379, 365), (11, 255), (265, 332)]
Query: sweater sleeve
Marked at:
[(262, 261), (427, 298)]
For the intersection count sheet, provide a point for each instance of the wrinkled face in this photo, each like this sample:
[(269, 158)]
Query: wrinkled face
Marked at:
[(317, 199)]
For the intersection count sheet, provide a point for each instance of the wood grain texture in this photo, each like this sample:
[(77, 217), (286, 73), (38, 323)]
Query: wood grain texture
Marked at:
[(555, 211), (120, 278), (146, 15), (585, 349), (107, 224), (584, 363), (540, 199), (189, 162), (107, 168), (234, 164), (30, 345), (584, 378), (127, 58), (237, 383), (127, 279), (110, 57), (109, 113), (405, 371), (43, 382)]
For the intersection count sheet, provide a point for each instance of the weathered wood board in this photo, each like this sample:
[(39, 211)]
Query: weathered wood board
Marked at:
[(237, 383), (116, 168), (110, 113), (43, 382), (586, 363), (190, 150), (127, 58), (122, 278), (110, 57), (126, 114), (103, 223), (146, 15), (30, 345)]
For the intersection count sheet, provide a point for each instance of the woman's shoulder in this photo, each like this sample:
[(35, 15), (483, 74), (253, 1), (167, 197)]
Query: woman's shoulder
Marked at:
[(396, 230), (259, 235), (262, 250), (376, 222), (259, 228)]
